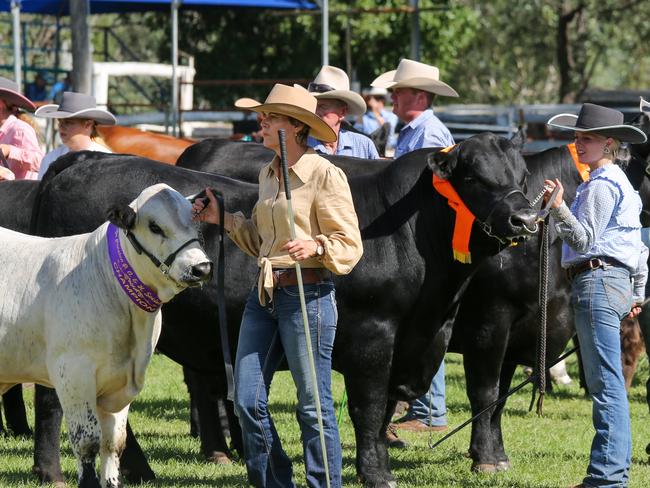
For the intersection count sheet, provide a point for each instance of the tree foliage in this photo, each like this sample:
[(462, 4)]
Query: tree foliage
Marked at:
[(501, 51)]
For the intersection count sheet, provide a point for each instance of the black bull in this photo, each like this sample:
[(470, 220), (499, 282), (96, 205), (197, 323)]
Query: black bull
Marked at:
[(389, 312)]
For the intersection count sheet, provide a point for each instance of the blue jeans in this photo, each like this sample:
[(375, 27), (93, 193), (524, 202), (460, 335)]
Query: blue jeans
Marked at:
[(430, 408), (601, 299), (269, 333)]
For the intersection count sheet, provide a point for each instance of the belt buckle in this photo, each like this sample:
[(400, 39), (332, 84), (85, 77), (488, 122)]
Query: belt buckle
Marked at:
[(595, 263)]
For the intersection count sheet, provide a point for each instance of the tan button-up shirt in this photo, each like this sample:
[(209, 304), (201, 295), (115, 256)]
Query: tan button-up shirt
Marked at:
[(323, 211)]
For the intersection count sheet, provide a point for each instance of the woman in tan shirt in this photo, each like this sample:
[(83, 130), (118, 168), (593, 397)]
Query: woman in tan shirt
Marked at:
[(327, 241)]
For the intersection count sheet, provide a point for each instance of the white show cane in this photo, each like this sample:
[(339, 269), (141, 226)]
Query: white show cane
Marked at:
[(303, 306)]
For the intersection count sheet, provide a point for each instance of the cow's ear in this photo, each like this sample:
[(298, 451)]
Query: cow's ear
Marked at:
[(519, 139), (443, 163), (122, 215)]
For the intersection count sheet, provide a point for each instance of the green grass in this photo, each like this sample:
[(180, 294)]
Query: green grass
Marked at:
[(551, 451)]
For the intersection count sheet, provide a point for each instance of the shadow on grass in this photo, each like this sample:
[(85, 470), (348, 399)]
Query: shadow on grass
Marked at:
[(231, 480), (163, 409)]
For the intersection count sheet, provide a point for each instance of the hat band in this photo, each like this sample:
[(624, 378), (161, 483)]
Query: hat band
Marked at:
[(319, 88)]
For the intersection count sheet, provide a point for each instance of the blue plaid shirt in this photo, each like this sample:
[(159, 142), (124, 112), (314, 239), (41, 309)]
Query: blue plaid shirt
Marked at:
[(349, 144), (604, 221), (370, 124), (426, 130)]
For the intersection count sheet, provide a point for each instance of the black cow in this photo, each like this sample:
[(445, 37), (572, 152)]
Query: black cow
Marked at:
[(390, 307), (497, 334), (243, 160)]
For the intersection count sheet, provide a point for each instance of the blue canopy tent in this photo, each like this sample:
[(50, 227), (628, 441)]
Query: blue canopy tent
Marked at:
[(61, 8)]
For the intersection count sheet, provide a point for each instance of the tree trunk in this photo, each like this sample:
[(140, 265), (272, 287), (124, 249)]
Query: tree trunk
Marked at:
[(81, 55), (563, 50)]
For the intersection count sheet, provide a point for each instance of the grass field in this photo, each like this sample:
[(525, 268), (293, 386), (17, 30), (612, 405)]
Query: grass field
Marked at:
[(551, 451)]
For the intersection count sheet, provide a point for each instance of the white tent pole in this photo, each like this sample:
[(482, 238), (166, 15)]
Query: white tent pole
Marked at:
[(175, 4), (18, 60), (325, 31)]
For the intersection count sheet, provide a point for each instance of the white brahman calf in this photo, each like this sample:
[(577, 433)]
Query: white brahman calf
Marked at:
[(82, 314)]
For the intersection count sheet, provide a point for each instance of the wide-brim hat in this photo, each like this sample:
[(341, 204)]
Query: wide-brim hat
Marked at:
[(10, 92), (600, 120), (375, 91), (333, 83), (292, 101), (413, 74), (77, 106)]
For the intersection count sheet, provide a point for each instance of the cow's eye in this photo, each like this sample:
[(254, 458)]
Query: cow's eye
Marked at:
[(155, 228)]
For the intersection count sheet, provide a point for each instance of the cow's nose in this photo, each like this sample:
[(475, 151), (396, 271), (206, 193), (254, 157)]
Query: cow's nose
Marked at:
[(524, 220), (202, 271)]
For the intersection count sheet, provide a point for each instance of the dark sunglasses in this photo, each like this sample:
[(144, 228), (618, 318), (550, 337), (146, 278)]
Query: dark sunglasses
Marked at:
[(319, 88)]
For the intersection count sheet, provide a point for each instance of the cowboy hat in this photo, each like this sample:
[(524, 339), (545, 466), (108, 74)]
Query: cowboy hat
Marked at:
[(77, 106), (10, 92), (375, 91), (599, 120), (295, 102), (412, 74), (644, 106), (333, 83)]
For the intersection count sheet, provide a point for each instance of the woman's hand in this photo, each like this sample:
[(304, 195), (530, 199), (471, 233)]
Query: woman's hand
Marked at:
[(209, 213), (6, 174), (550, 186), (636, 310), (299, 249)]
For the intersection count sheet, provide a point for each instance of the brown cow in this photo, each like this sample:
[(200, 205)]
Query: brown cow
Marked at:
[(128, 140)]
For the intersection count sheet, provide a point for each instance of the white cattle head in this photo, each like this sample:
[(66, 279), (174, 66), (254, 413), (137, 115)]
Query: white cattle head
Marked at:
[(158, 224)]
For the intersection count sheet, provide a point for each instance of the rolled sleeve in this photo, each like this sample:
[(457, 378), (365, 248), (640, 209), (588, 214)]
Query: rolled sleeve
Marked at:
[(640, 275), (24, 153), (338, 223), (243, 232)]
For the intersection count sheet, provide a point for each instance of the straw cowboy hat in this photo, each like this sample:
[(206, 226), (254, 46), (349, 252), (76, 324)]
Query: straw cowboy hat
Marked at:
[(292, 101), (599, 120), (78, 106), (333, 83), (412, 74), (10, 92)]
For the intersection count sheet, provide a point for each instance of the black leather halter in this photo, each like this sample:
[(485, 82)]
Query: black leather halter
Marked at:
[(162, 266)]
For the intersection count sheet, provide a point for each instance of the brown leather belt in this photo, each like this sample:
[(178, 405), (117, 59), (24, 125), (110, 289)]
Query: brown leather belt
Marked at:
[(590, 265), (288, 276)]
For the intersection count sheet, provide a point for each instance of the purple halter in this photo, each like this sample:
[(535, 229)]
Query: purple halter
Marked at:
[(139, 293)]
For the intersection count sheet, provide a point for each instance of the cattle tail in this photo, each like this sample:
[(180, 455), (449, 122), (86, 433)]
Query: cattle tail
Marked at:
[(303, 305)]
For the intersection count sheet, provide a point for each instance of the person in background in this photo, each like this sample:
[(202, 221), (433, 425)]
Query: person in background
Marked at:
[(413, 88), (21, 153), (331, 87), (78, 117), (37, 89), (328, 241), (56, 92), (605, 261), (377, 116)]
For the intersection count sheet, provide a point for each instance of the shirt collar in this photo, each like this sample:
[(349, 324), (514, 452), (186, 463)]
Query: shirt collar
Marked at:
[(344, 141), (601, 170), (420, 119), (303, 168)]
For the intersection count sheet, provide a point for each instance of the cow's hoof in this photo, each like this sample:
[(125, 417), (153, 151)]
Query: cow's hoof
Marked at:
[(503, 466), (484, 468), (219, 457), (380, 483)]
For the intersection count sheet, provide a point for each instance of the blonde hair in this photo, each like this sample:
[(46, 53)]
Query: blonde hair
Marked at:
[(19, 114)]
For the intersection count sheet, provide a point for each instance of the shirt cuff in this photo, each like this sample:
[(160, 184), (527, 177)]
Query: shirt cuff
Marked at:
[(561, 213)]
